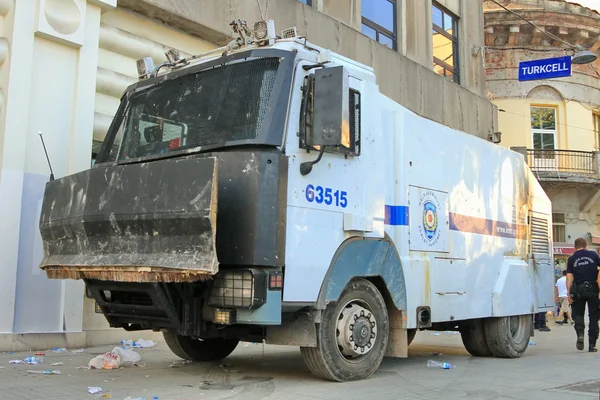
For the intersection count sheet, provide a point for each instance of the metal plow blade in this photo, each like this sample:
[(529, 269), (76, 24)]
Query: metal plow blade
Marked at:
[(149, 222)]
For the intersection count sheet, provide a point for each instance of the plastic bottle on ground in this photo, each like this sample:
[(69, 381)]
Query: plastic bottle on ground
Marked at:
[(128, 344), (439, 364), (34, 360), (48, 372)]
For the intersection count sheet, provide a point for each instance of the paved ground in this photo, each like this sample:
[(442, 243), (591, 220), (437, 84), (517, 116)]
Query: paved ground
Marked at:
[(253, 373)]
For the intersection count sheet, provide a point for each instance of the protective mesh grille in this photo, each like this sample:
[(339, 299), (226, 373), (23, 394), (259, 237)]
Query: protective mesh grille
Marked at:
[(226, 103), (354, 122)]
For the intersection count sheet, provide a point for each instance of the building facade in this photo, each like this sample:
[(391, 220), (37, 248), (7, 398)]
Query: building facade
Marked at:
[(555, 123), (64, 65)]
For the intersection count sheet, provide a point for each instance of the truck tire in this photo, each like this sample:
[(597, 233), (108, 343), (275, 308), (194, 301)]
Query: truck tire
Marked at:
[(473, 337), (410, 335), (352, 336), (508, 337), (188, 348)]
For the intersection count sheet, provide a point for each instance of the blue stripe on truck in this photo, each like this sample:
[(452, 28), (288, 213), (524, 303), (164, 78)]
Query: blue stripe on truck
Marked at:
[(398, 216)]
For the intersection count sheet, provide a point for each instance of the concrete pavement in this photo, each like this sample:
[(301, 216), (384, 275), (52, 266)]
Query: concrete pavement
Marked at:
[(552, 369)]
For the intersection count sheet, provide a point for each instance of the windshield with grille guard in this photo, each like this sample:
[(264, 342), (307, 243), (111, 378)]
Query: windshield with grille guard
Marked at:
[(209, 108)]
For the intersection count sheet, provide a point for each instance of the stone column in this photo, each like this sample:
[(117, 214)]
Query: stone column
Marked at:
[(51, 68)]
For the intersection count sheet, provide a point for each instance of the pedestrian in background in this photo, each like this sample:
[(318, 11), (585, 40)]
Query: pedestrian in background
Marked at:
[(583, 276), (561, 296), (539, 322)]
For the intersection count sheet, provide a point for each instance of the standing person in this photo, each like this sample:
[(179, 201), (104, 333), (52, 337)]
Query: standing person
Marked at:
[(582, 286), (561, 296), (539, 322)]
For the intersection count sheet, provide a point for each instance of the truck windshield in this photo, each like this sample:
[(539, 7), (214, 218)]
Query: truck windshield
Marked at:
[(213, 107)]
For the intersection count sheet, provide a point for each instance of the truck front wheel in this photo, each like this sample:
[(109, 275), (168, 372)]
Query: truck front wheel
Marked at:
[(199, 350), (352, 336), (508, 337)]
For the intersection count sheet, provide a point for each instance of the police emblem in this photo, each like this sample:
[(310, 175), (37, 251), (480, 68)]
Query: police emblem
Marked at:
[(430, 219)]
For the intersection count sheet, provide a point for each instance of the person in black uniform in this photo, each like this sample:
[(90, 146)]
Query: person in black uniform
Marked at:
[(583, 276)]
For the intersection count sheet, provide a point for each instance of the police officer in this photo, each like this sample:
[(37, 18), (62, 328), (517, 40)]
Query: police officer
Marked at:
[(583, 276)]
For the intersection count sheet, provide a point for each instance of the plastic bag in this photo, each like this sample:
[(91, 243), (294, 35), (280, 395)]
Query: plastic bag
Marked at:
[(114, 359), (142, 344), (127, 356), (108, 360)]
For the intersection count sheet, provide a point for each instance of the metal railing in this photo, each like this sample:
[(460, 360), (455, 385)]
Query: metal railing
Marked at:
[(581, 162)]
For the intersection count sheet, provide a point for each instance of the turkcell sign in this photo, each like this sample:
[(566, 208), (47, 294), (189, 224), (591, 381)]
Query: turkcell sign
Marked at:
[(545, 69)]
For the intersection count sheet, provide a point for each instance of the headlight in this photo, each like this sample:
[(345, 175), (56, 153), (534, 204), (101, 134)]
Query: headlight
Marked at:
[(242, 288)]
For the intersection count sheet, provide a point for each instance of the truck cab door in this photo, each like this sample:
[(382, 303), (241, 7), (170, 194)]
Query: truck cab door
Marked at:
[(344, 153), (335, 188)]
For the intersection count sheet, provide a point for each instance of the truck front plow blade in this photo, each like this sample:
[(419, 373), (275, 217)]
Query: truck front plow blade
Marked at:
[(147, 222)]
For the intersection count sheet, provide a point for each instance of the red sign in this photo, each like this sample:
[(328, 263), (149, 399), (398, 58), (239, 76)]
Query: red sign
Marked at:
[(564, 250), (595, 239)]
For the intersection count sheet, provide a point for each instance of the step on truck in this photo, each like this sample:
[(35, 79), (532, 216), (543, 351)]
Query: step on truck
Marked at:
[(267, 191)]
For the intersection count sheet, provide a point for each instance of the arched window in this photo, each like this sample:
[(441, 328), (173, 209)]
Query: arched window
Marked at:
[(545, 93)]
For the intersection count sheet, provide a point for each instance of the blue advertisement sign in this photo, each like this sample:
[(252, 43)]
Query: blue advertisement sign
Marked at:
[(545, 69)]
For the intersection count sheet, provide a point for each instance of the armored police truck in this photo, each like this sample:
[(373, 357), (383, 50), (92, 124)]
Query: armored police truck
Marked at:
[(268, 191)]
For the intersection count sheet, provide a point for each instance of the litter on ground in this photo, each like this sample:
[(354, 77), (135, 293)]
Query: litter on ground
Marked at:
[(94, 390), (115, 359), (47, 372)]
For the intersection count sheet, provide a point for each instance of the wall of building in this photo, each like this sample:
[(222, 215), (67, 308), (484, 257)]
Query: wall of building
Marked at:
[(575, 124), (576, 98), (49, 83), (407, 78), (63, 67), (578, 224)]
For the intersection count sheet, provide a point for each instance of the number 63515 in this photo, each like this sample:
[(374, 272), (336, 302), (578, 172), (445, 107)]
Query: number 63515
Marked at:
[(326, 196)]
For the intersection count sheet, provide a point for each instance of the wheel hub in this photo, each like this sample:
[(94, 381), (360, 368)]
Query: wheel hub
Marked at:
[(356, 331)]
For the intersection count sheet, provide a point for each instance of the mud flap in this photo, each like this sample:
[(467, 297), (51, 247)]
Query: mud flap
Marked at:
[(147, 222)]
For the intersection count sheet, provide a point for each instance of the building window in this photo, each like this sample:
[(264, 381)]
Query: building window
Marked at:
[(379, 21), (597, 128), (307, 2), (445, 43), (543, 130), (559, 233)]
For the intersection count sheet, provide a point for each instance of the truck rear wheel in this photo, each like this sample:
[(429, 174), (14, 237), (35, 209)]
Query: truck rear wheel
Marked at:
[(352, 336), (199, 350), (473, 337), (508, 337)]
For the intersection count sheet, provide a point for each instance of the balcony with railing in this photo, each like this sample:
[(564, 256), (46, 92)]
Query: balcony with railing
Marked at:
[(563, 165), (567, 161)]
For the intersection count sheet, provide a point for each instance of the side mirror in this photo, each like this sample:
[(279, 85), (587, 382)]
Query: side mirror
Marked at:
[(331, 116)]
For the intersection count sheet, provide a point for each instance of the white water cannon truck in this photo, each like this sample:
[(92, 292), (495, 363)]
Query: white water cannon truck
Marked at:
[(268, 191)]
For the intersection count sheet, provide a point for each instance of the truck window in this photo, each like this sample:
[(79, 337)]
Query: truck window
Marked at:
[(350, 144), (208, 108)]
